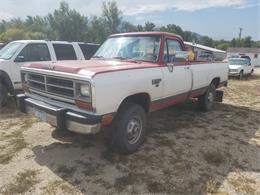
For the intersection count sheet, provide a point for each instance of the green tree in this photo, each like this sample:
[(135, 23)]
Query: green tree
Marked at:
[(12, 34), (247, 42), (223, 46), (112, 16), (207, 41), (96, 31), (149, 26), (67, 23), (128, 27)]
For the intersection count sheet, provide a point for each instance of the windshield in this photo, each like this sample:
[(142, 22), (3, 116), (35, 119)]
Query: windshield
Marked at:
[(130, 48), (237, 62), (9, 50)]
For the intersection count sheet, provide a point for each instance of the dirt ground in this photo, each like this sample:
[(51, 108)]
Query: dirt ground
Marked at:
[(186, 152)]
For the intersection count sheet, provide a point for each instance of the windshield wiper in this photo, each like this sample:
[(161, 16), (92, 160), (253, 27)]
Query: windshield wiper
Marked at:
[(100, 57), (126, 59)]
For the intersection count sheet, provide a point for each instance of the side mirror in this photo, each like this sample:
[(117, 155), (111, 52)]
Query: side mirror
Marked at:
[(20, 59), (170, 66)]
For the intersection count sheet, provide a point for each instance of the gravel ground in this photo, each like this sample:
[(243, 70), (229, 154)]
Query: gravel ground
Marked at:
[(185, 152)]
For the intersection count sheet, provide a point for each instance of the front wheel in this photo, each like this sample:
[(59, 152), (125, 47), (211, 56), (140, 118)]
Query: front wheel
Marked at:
[(129, 128), (241, 75), (3, 95), (206, 101)]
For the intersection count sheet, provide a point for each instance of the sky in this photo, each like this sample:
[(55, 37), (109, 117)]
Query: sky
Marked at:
[(219, 19)]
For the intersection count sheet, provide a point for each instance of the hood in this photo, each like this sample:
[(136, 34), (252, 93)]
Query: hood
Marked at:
[(91, 67), (235, 66)]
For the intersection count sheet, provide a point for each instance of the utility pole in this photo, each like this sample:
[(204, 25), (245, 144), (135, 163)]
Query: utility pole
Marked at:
[(240, 32)]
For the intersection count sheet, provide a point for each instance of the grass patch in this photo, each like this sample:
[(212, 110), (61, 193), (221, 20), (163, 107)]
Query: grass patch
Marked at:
[(242, 184), (211, 186), (53, 187), (23, 182), (14, 142)]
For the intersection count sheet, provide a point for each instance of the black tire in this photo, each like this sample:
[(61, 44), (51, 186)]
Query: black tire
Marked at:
[(124, 141), (3, 95), (241, 75), (206, 101)]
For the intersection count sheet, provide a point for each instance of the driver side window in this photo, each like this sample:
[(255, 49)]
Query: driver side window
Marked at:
[(35, 52), (171, 48)]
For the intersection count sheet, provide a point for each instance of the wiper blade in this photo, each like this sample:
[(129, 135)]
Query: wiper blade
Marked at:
[(98, 57), (123, 58)]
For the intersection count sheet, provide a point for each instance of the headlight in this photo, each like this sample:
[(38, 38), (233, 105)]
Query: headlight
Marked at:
[(85, 90)]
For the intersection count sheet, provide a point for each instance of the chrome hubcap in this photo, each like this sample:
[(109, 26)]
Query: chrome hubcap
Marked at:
[(134, 129)]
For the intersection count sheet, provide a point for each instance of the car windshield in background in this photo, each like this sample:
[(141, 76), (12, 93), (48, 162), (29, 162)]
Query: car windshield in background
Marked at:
[(237, 62), (144, 48), (9, 50)]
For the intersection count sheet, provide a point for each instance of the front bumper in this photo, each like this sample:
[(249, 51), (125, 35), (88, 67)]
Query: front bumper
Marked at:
[(62, 118)]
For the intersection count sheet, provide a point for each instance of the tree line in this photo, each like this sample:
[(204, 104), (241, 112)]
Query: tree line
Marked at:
[(69, 25)]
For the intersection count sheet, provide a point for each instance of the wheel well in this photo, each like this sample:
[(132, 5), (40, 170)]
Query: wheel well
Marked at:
[(142, 99), (4, 79), (216, 82)]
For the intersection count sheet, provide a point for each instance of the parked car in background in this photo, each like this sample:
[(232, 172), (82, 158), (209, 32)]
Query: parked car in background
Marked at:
[(18, 53), (240, 67), (130, 75), (246, 57)]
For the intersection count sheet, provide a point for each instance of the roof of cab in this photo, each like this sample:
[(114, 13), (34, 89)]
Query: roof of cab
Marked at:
[(241, 59), (146, 33), (40, 41)]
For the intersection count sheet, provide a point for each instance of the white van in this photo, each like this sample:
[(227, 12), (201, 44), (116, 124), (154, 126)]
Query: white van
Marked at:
[(17, 53)]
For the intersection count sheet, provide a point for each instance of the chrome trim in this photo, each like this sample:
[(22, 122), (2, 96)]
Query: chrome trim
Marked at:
[(45, 89), (70, 125), (55, 102), (57, 74), (55, 97)]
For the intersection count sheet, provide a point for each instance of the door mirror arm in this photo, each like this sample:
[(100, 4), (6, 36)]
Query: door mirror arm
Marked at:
[(170, 66)]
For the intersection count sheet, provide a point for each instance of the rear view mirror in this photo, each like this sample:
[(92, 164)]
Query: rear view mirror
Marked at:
[(20, 59)]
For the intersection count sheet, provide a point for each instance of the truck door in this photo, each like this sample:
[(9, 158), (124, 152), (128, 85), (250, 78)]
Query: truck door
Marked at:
[(177, 72), (32, 52)]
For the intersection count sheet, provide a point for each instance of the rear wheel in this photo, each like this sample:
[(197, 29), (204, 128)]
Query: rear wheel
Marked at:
[(206, 101), (3, 95), (129, 128)]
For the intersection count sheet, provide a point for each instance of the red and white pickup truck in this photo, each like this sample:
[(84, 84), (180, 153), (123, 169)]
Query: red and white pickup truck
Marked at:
[(130, 75)]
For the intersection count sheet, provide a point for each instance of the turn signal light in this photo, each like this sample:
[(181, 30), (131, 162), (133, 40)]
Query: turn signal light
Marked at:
[(106, 120), (84, 105)]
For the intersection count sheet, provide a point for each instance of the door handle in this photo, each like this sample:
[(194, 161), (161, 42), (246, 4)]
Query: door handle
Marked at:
[(187, 67)]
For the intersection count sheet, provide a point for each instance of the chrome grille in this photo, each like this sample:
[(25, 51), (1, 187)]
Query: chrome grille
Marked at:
[(232, 70), (51, 85)]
